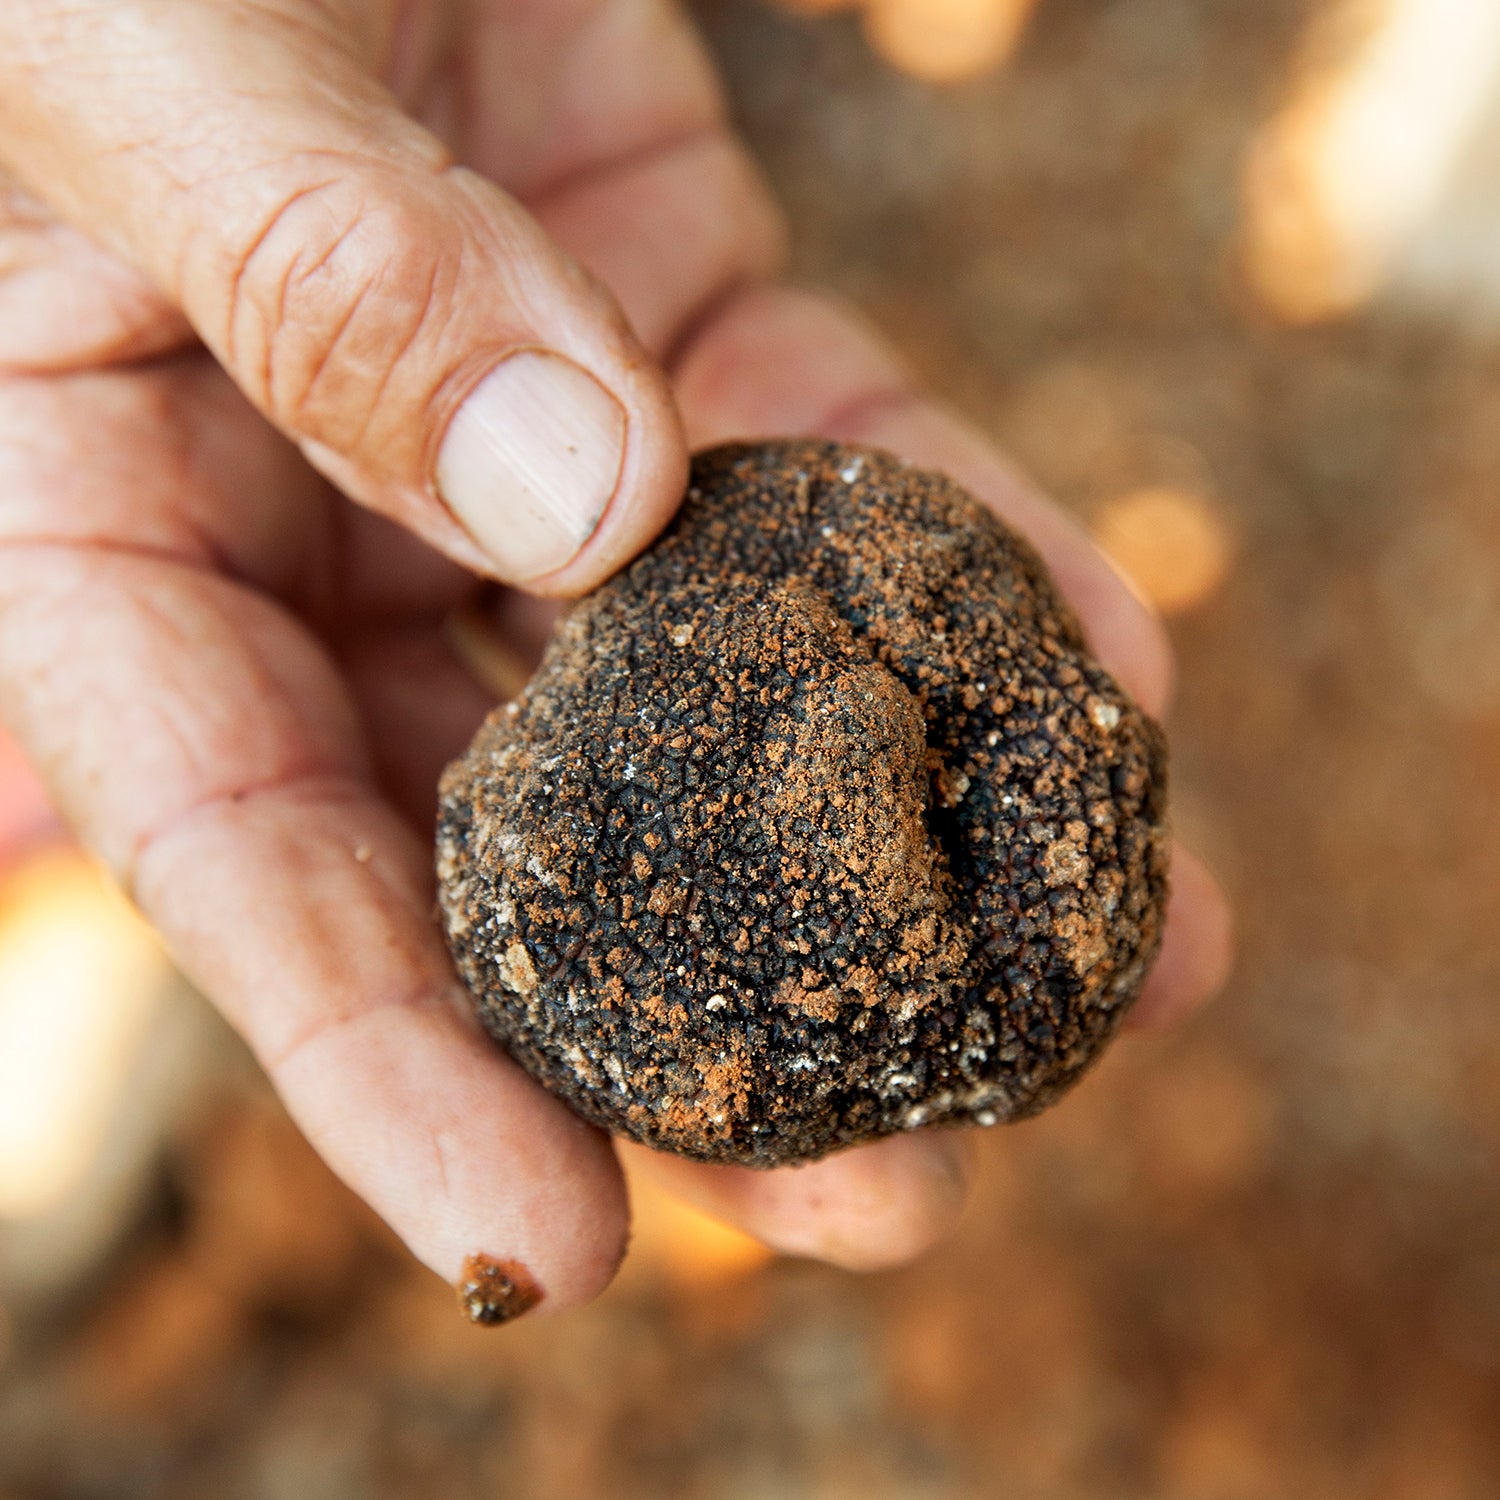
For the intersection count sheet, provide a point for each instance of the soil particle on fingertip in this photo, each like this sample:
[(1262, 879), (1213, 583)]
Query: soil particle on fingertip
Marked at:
[(496, 1291), (817, 823)]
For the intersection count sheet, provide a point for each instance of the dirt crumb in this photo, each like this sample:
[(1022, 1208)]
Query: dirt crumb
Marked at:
[(496, 1291)]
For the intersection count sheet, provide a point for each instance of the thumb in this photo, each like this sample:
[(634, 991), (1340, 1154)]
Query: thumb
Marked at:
[(400, 317)]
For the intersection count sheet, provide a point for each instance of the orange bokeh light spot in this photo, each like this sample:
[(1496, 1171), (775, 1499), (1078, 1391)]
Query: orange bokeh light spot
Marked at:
[(687, 1245), (1345, 178), (945, 41), (80, 978), (1170, 542)]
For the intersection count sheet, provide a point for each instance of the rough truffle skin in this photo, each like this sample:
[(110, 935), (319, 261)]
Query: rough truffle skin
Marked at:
[(816, 824)]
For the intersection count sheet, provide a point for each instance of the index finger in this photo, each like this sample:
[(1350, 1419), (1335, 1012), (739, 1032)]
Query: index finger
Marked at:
[(196, 735)]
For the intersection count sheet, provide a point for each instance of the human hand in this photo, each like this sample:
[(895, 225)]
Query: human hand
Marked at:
[(241, 278)]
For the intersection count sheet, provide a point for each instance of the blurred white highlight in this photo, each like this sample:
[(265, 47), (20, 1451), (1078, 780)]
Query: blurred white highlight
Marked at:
[(80, 976), (1345, 177)]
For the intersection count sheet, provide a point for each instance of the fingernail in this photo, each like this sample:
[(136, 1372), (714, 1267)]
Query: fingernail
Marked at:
[(529, 463)]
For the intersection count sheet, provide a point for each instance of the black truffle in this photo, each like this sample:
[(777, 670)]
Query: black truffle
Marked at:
[(816, 824)]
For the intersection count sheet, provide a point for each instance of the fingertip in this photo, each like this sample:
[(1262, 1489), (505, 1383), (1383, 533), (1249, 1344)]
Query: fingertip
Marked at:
[(894, 1201), (485, 1170), (570, 1234), (1197, 952), (869, 1208)]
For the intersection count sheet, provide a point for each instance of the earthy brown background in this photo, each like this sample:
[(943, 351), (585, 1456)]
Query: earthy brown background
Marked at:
[(1258, 1258)]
